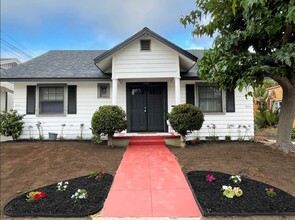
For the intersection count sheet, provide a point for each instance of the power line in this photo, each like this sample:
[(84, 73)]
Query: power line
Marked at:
[(14, 54), (28, 51), (15, 49)]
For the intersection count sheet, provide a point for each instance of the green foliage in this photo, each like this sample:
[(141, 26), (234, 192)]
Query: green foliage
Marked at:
[(11, 123), (213, 138), (108, 119), (269, 83), (293, 133), (228, 138), (254, 39), (186, 117)]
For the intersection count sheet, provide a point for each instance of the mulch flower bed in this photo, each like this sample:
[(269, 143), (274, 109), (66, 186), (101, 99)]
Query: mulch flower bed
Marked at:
[(257, 198), (50, 202)]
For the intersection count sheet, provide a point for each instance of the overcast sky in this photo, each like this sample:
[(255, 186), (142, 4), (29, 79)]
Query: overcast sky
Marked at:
[(36, 26)]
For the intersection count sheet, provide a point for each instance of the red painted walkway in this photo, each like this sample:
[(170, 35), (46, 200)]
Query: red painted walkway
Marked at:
[(150, 183)]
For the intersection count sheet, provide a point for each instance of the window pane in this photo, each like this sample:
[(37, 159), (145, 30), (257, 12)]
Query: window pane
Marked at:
[(210, 99), (103, 90), (51, 100), (52, 107)]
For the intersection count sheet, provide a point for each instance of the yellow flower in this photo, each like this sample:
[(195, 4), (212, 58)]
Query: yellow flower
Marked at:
[(238, 191)]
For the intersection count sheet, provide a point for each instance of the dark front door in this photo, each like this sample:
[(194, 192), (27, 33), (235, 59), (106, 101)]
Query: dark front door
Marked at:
[(146, 106)]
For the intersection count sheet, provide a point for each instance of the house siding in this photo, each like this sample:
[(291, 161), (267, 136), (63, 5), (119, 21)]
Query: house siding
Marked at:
[(243, 116), (130, 62), (87, 104)]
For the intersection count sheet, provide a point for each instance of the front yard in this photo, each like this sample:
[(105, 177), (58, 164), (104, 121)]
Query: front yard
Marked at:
[(252, 160), (28, 165)]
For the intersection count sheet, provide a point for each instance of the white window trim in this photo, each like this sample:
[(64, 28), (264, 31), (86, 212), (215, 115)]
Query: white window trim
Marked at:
[(38, 114), (223, 99), (141, 47), (109, 90)]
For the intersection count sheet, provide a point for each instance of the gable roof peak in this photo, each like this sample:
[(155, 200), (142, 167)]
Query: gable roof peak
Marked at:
[(145, 30)]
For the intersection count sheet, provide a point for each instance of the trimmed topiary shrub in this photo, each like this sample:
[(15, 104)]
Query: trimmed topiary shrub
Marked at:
[(185, 118), (108, 119), (11, 124)]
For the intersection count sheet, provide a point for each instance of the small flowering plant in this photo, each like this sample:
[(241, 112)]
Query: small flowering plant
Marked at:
[(270, 192), (62, 186), (80, 194), (95, 175), (230, 192), (210, 178), (35, 196), (236, 179)]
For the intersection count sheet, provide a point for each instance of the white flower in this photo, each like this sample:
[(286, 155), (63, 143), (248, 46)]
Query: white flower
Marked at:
[(66, 182), (226, 187), (59, 184), (72, 196)]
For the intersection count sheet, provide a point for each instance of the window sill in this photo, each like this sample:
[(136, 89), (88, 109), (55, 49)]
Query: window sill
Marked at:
[(51, 115), (214, 113)]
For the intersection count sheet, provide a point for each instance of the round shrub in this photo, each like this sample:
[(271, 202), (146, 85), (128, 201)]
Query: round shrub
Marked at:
[(11, 124), (185, 118), (108, 119)]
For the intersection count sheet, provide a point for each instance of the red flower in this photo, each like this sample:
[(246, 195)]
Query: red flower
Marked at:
[(42, 194), (270, 189), (37, 196), (99, 175)]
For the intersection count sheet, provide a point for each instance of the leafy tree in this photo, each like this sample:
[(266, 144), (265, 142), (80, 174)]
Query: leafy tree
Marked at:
[(255, 39), (184, 118), (269, 83), (11, 124), (108, 119)]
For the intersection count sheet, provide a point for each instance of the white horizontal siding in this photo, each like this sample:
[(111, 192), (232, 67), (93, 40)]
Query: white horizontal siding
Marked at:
[(242, 116), (131, 63), (87, 103)]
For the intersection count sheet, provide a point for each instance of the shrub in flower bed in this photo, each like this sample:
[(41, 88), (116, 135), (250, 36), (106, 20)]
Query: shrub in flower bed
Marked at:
[(76, 197), (235, 195)]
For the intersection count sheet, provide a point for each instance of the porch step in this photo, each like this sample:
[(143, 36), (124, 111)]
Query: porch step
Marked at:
[(146, 140)]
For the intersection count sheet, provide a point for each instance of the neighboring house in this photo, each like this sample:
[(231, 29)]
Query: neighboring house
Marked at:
[(6, 88), (274, 99), (146, 75)]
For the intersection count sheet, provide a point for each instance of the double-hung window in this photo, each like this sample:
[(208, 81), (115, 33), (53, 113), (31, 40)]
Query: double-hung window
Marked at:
[(51, 99), (210, 98)]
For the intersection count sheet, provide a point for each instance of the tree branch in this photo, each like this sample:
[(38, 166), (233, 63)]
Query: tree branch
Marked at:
[(287, 33)]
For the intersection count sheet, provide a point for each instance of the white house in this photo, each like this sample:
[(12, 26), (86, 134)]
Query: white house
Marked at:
[(146, 75)]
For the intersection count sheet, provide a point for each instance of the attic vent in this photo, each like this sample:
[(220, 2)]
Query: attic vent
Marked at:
[(145, 45)]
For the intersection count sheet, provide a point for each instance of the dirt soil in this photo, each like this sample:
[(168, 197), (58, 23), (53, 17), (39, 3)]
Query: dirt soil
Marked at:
[(253, 160), (28, 165)]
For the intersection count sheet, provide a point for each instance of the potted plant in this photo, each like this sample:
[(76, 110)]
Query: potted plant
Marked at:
[(52, 136)]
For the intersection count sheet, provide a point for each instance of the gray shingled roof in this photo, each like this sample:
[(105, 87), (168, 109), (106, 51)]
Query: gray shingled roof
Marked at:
[(57, 64), (68, 64), (192, 74)]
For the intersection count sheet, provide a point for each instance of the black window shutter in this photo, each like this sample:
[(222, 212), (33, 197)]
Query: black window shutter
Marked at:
[(230, 100), (31, 100), (72, 99), (190, 94)]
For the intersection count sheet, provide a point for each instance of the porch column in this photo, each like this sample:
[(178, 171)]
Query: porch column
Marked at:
[(177, 90), (115, 91)]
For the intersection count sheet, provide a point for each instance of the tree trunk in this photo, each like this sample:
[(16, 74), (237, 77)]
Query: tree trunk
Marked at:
[(287, 115), (110, 140), (182, 141)]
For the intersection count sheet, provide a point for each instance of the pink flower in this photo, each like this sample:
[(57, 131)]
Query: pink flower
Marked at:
[(210, 178)]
